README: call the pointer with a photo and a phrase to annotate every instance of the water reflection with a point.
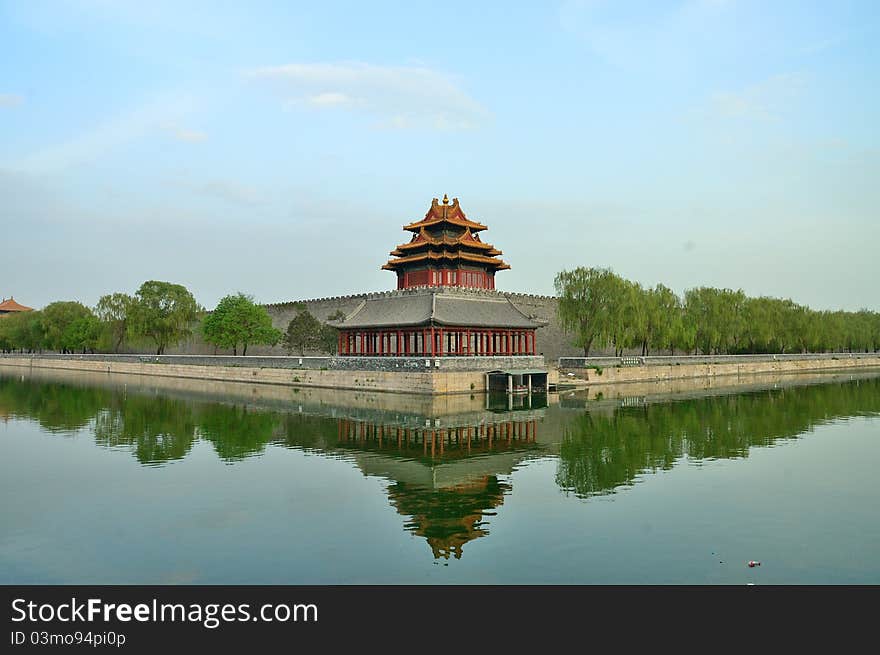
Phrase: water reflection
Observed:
(449, 518)
(448, 461)
(612, 443)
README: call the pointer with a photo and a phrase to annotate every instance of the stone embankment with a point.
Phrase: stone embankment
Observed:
(580, 371)
(395, 374)
(438, 375)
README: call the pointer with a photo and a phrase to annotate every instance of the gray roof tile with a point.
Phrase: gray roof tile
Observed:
(437, 307)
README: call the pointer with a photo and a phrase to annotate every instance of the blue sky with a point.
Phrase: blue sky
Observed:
(278, 148)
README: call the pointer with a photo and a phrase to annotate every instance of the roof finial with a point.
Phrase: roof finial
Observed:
(445, 199)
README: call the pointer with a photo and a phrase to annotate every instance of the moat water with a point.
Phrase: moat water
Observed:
(125, 479)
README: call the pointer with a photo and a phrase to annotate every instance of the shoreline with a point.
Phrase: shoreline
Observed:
(449, 376)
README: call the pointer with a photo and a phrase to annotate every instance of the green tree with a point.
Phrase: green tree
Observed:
(164, 313)
(237, 321)
(303, 332)
(114, 312)
(25, 331)
(664, 316)
(330, 334)
(69, 326)
(585, 303)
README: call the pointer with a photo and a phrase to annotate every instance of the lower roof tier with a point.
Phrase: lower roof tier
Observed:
(436, 306)
(446, 256)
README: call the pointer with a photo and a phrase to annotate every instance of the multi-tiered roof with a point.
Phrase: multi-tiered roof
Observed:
(445, 250)
(445, 302)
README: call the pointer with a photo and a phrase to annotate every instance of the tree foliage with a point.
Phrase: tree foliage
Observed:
(303, 332)
(114, 311)
(163, 313)
(69, 326)
(22, 331)
(600, 309)
(586, 297)
(237, 321)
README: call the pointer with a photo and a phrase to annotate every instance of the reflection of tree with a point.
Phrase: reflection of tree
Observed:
(56, 407)
(236, 431)
(600, 452)
(448, 518)
(157, 427)
(308, 432)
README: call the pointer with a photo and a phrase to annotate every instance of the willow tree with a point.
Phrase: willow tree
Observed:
(163, 312)
(663, 316)
(113, 311)
(69, 326)
(586, 301)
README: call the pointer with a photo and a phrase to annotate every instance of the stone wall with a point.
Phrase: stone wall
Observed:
(729, 365)
(418, 382)
(387, 364)
(550, 340)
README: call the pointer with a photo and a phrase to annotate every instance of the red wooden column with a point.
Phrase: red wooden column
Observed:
(433, 343)
(468, 343)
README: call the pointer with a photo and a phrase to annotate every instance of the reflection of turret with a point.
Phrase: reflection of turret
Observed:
(438, 441)
(451, 517)
(445, 480)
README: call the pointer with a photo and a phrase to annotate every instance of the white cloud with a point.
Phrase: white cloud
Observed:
(187, 135)
(398, 97)
(91, 144)
(329, 99)
(766, 100)
(10, 100)
(227, 190)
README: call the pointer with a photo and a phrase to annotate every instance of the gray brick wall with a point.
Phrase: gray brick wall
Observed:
(550, 339)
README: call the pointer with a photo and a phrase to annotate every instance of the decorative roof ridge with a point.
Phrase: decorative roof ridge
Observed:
(466, 238)
(411, 291)
(531, 295)
(438, 213)
(531, 318)
(354, 313)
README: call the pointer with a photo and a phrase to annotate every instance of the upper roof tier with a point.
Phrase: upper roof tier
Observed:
(445, 213)
(424, 240)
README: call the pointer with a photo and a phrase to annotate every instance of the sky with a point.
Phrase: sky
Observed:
(277, 148)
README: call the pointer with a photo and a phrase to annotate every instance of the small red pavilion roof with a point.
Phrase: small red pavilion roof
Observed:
(12, 306)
